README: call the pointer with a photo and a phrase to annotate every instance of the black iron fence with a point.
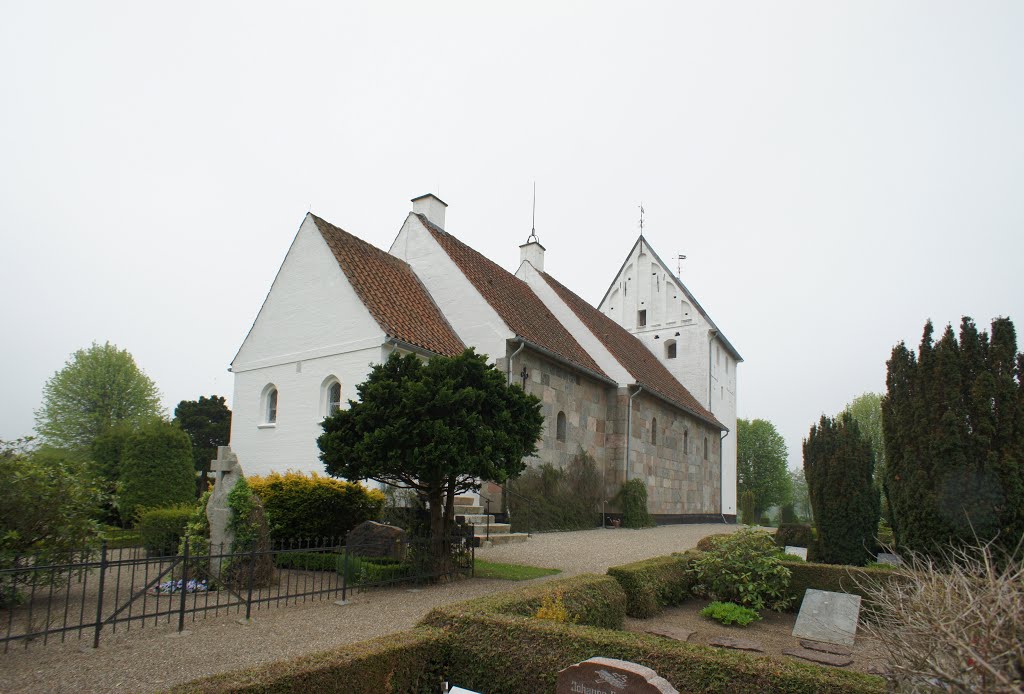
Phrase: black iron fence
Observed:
(85, 593)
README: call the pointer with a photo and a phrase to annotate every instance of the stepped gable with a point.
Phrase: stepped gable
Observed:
(632, 354)
(513, 300)
(392, 293)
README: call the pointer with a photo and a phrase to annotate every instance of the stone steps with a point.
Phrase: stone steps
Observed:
(484, 527)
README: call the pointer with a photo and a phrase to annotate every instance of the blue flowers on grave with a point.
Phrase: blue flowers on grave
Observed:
(192, 586)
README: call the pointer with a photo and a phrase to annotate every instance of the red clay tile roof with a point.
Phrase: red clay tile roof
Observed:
(631, 353)
(392, 293)
(513, 300)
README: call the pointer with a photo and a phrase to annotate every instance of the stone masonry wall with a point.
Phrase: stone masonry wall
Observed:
(678, 481)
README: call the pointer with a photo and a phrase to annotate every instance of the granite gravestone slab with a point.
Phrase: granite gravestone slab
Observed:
(797, 552)
(829, 617)
(891, 559)
(610, 676)
(372, 539)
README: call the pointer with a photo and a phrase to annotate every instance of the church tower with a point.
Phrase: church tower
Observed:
(650, 301)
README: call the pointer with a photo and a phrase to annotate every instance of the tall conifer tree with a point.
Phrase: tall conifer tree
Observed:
(953, 420)
(839, 465)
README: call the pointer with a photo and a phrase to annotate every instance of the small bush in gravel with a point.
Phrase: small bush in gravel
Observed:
(730, 613)
(706, 544)
(744, 568)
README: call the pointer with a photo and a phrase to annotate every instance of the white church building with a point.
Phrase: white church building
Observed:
(645, 383)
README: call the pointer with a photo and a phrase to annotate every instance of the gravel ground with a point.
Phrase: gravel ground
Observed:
(157, 657)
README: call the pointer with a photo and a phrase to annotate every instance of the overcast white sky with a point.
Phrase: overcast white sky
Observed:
(836, 172)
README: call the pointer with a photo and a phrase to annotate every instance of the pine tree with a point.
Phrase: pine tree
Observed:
(839, 466)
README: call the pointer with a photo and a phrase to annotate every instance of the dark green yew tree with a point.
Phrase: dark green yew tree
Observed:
(839, 466)
(439, 427)
(953, 421)
(207, 421)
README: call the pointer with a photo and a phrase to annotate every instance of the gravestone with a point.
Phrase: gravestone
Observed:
(797, 552)
(829, 617)
(610, 676)
(890, 559)
(228, 471)
(372, 539)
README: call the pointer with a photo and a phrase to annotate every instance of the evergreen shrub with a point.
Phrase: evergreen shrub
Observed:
(839, 466)
(161, 529)
(300, 506)
(632, 498)
(504, 653)
(744, 568)
(706, 543)
(954, 439)
(856, 580)
(404, 663)
(589, 599)
(787, 514)
(652, 585)
(795, 535)
(156, 469)
(550, 498)
(747, 508)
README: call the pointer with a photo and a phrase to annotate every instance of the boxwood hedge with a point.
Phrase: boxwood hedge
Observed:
(652, 585)
(406, 662)
(589, 599)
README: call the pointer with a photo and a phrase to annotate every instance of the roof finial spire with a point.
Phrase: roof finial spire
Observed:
(641, 219)
(533, 238)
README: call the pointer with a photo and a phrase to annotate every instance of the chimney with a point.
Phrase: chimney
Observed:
(533, 252)
(431, 207)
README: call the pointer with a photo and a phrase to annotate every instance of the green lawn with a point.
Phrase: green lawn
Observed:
(510, 572)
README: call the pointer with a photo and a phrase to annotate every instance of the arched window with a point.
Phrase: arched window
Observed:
(560, 427)
(686, 442)
(330, 396)
(705, 448)
(270, 404)
(670, 349)
(654, 431)
(333, 398)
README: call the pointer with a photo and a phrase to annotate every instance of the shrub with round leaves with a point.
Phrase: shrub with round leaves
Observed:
(744, 568)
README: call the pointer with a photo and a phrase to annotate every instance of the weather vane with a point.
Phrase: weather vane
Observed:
(641, 219)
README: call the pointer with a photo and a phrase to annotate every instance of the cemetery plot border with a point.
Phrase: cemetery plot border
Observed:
(107, 589)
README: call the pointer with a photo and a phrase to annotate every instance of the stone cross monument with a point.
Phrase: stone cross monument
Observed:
(228, 471)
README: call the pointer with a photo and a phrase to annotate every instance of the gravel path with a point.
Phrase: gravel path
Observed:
(154, 658)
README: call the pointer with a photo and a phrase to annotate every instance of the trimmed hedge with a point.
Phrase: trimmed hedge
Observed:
(590, 599)
(795, 535)
(652, 585)
(406, 662)
(161, 529)
(156, 469)
(311, 506)
(708, 541)
(833, 577)
(498, 653)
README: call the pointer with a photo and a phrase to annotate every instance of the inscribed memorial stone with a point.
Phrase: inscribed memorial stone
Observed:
(829, 617)
(610, 676)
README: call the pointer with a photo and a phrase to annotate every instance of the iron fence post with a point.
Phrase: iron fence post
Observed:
(99, 597)
(488, 516)
(184, 588)
(344, 576)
